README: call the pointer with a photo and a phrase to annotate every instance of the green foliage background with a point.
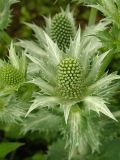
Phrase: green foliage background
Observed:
(36, 145)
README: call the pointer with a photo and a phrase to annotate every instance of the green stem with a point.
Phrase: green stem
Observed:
(92, 17)
(75, 108)
(105, 64)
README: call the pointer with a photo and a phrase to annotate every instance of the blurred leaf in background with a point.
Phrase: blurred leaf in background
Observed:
(86, 1)
(7, 147)
(110, 151)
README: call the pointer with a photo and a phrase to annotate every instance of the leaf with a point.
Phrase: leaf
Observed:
(110, 39)
(42, 66)
(53, 50)
(23, 63)
(42, 101)
(13, 110)
(97, 62)
(43, 85)
(90, 45)
(32, 48)
(110, 9)
(97, 104)
(5, 13)
(82, 131)
(38, 156)
(57, 151)
(66, 109)
(43, 120)
(39, 34)
(103, 83)
(13, 57)
(109, 151)
(7, 147)
(85, 1)
(75, 45)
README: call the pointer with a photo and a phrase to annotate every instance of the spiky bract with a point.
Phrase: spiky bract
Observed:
(110, 9)
(83, 131)
(5, 13)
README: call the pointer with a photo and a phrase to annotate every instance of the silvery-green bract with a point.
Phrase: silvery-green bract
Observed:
(72, 81)
(5, 13)
(110, 9)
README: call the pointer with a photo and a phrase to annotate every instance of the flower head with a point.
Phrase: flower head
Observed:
(61, 28)
(69, 78)
(10, 75)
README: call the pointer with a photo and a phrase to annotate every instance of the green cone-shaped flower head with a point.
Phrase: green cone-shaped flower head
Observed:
(61, 30)
(69, 77)
(10, 75)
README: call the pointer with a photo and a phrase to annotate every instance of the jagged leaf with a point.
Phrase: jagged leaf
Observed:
(98, 105)
(53, 50)
(5, 13)
(98, 61)
(13, 57)
(11, 110)
(32, 48)
(103, 83)
(109, 151)
(57, 151)
(44, 120)
(42, 101)
(110, 9)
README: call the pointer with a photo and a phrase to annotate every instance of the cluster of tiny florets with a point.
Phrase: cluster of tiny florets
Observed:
(61, 31)
(10, 75)
(69, 78)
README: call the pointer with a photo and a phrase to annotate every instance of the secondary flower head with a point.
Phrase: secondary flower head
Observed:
(71, 80)
(61, 28)
(10, 75)
(11, 72)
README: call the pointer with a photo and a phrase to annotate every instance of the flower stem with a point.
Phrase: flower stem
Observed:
(92, 17)
(105, 64)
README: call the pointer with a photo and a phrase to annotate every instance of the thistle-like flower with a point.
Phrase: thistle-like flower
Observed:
(12, 75)
(72, 81)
